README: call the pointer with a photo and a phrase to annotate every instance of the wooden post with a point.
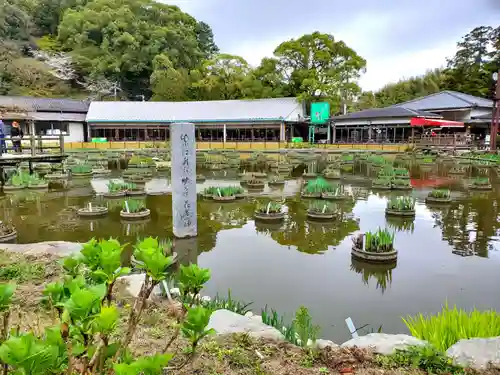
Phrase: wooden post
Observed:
(32, 145)
(61, 143)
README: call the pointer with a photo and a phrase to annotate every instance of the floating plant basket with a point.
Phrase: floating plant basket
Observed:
(41, 186)
(271, 216)
(315, 195)
(92, 211)
(438, 200)
(256, 185)
(200, 178)
(136, 193)
(277, 183)
(13, 187)
(333, 196)
(135, 215)
(8, 236)
(315, 215)
(220, 198)
(358, 252)
(117, 194)
(401, 213)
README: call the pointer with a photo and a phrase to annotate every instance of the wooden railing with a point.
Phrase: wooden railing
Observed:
(37, 144)
(445, 141)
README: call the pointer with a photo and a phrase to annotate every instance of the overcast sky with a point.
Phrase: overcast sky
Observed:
(398, 38)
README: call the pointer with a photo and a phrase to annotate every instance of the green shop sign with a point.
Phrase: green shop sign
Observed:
(320, 113)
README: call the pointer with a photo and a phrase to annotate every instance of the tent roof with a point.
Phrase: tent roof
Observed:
(277, 109)
(388, 112)
(446, 100)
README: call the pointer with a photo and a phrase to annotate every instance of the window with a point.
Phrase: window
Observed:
(51, 128)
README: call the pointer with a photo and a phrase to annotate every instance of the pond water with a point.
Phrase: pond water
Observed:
(445, 254)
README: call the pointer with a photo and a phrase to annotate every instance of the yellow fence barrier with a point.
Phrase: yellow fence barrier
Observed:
(239, 146)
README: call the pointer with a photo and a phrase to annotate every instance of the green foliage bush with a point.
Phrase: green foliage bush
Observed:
(86, 339)
(381, 241)
(447, 327)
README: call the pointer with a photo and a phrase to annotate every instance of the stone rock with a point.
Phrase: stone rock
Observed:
(227, 322)
(322, 344)
(134, 284)
(383, 343)
(257, 318)
(249, 314)
(59, 248)
(477, 353)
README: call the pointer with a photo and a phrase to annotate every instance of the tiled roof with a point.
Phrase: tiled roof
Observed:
(278, 109)
(44, 104)
(446, 100)
(388, 112)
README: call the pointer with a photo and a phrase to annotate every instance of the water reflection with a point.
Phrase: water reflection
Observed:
(381, 273)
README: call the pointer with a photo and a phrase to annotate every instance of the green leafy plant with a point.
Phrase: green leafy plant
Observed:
(321, 207)
(381, 241)
(401, 172)
(269, 207)
(386, 172)
(20, 178)
(81, 169)
(424, 357)
(401, 182)
(319, 185)
(382, 182)
(450, 325)
(211, 190)
(440, 193)
(401, 204)
(134, 205)
(116, 187)
(304, 328)
(481, 182)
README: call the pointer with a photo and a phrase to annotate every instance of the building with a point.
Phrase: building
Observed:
(446, 109)
(46, 117)
(259, 120)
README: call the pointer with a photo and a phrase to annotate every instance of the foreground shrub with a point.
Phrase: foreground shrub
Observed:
(85, 339)
(451, 325)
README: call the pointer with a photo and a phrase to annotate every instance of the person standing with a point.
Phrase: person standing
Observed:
(16, 134)
(3, 145)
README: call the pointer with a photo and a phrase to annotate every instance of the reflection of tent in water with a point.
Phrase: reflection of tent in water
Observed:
(381, 272)
(430, 182)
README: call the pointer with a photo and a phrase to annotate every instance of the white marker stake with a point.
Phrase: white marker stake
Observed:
(90, 206)
(324, 209)
(352, 328)
(126, 206)
(268, 207)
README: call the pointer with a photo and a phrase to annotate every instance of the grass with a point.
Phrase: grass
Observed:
(382, 182)
(226, 303)
(381, 241)
(401, 182)
(401, 172)
(116, 187)
(386, 172)
(211, 190)
(481, 181)
(133, 205)
(269, 207)
(319, 185)
(19, 178)
(401, 204)
(440, 193)
(82, 168)
(228, 191)
(321, 207)
(447, 327)
(426, 358)
(19, 270)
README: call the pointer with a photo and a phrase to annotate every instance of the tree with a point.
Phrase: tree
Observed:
(267, 81)
(222, 78)
(166, 82)
(205, 38)
(15, 23)
(317, 67)
(477, 57)
(119, 39)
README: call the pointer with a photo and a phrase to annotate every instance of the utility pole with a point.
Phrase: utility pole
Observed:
(495, 118)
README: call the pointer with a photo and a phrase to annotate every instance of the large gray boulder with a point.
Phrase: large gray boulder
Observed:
(476, 353)
(383, 343)
(227, 322)
(58, 248)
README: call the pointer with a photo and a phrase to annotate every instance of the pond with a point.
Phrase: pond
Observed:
(446, 253)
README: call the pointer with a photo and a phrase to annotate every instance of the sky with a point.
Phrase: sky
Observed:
(398, 38)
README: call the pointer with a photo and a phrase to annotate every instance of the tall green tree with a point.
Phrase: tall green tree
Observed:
(119, 39)
(15, 23)
(205, 38)
(318, 67)
(167, 83)
(477, 57)
(222, 78)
